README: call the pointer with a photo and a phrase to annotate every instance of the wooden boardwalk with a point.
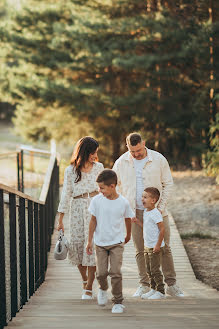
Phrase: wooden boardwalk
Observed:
(57, 303)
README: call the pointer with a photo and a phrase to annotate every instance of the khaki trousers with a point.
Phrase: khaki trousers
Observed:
(167, 259)
(153, 263)
(110, 255)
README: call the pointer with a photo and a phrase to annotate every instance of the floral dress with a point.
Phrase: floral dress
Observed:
(77, 210)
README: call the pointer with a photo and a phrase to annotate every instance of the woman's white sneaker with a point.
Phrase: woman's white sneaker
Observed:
(157, 295)
(174, 291)
(85, 296)
(148, 294)
(102, 297)
(141, 290)
(118, 308)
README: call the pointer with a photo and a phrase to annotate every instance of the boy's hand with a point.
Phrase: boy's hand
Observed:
(89, 249)
(156, 249)
(127, 238)
(135, 220)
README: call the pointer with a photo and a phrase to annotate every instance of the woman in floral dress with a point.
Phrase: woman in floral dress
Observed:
(78, 189)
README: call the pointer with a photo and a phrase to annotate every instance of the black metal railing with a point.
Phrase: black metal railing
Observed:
(26, 226)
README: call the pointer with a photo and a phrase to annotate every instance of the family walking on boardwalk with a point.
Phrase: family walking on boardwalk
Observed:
(101, 203)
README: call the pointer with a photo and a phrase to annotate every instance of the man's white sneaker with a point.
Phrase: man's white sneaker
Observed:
(157, 295)
(174, 291)
(102, 297)
(118, 308)
(148, 294)
(141, 290)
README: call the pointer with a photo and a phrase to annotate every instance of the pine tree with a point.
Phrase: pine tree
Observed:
(118, 66)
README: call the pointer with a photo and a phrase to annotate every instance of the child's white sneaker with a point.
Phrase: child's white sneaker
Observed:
(102, 297)
(118, 308)
(157, 295)
(175, 291)
(148, 294)
(141, 290)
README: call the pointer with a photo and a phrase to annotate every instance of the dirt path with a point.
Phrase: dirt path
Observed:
(195, 208)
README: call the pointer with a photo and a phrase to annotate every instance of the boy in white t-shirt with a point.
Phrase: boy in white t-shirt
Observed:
(153, 231)
(110, 211)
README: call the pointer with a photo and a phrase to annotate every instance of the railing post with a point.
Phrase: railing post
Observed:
(18, 172)
(22, 247)
(22, 171)
(2, 265)
(30, 248)
(36, 235)
(46, 233)
(42, 242)
(13, 253)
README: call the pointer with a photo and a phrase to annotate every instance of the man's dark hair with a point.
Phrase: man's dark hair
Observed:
(107, 176)
(154, 192)
(133, 139)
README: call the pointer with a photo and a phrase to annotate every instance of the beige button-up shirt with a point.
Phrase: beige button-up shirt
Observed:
(155, 173)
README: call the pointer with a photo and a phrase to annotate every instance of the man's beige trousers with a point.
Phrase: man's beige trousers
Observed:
(167, 259)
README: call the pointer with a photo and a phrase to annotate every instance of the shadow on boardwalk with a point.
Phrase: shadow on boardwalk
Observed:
(57, 303)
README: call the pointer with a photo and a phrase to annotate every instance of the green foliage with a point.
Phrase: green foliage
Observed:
(198, 235)
(110, 67)
(212, 157)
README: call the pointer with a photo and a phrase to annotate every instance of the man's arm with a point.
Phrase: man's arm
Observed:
(167, 183)
(160, 238)
(128, 229)
(116, 169)
(92, 227)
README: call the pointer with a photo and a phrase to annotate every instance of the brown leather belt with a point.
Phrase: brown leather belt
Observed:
(86, 195)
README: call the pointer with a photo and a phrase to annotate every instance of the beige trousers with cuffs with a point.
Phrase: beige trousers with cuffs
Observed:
(153, 263)
(167, 259)
(110, 255)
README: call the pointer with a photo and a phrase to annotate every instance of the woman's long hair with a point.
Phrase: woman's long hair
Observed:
(84, 147)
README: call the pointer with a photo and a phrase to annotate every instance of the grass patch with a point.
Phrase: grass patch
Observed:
(198, 235)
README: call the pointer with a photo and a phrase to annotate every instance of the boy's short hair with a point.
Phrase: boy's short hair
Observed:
(133, 139)
(154, 192)
(107, 176)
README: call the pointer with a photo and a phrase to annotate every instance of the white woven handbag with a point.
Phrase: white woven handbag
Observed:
(61, 247)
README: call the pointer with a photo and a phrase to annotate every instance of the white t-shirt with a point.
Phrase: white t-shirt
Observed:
(110, 216)
(150, 227)
(139, 165)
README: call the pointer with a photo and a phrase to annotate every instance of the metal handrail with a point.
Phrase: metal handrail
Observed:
(31, 223)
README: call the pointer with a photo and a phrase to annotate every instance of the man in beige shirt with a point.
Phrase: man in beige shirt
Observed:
(138, 169)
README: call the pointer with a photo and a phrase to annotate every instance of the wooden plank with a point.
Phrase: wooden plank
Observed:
(57, 302)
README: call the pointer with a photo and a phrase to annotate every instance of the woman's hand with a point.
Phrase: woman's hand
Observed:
(89, 248)
(60, 226)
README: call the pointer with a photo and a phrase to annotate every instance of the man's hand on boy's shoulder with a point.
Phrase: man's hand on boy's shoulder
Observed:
(89, 248)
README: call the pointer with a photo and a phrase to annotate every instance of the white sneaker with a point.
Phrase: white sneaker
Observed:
(118, 308)
(141, 290)
(174, 291)
(102, 297)
(157, 295)
(148, 294)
